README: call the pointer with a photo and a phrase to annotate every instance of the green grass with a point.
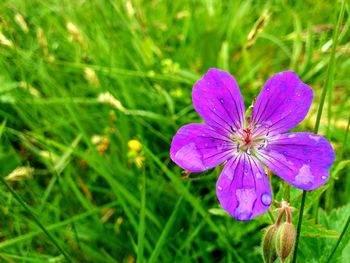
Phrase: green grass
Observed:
(92, 201)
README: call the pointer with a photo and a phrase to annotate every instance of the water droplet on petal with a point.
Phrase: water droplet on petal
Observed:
(309, 161)
(245, 198)
(324, 177)
(220, 188)
(285, 152)
(268, 89)
(298, 94)
(214, 109)
(266, 199)
(248, 151)
(245, 170)
(304, 178)
(222, 101)
(244, 215)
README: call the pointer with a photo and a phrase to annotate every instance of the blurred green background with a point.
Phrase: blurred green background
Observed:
(91, 93)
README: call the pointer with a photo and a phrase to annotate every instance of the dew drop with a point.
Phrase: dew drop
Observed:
(219, 188)
(285, 152)
(289, 100)
(245, 170)
(268, 89)
(266, 199)
(222, 101)
(248, 151)
(298, 94)
(324, 177)
(244, 215)
(214, 109)
(309, 161)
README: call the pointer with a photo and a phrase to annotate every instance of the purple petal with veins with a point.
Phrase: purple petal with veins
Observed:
(198, 147)
(302, 159)
(217, 99)
(282, 104)
(243, 188)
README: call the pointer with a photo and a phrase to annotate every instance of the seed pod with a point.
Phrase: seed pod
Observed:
(285, 240)
(268, 244)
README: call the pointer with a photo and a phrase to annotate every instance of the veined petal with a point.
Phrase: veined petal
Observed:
(243, 188)
(302, 159)
(282, 104)
(217, 99)
(197, 147)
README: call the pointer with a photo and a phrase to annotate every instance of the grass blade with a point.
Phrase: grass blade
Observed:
(196, 205)
(165, 233)
(36, 219)
(141, 232)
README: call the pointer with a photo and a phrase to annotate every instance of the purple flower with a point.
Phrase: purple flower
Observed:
(302, 159)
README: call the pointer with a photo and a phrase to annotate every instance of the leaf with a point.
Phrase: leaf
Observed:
(217, 212)
(336, 220)
(340, 166)
(311, 197)
(311, 229)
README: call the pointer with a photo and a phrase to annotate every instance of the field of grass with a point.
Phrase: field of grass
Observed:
(81, 79)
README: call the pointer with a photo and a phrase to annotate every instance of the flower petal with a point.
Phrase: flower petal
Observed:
(302, 159)
(282, 104)
(197, 147)
(243, 188)
(217, 99)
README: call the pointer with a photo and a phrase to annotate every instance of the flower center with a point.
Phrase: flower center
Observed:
(251, 138)
(247, 135)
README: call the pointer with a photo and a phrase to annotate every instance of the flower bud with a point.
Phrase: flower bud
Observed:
(285, 240)
(268, 244)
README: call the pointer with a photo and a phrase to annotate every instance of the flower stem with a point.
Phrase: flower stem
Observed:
(36, 219)
(303, 198)
(339, 239)
(329, 81)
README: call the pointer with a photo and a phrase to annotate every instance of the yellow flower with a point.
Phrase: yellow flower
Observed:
(134, 145)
